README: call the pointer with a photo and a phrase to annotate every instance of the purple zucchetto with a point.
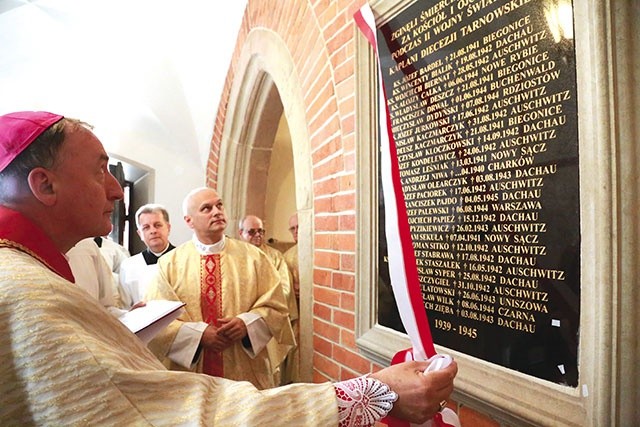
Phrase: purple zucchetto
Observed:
(19, 130)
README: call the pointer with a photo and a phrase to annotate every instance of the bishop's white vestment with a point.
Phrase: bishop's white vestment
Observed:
(64, 360)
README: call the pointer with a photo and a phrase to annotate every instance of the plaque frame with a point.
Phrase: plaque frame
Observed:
(607, 52)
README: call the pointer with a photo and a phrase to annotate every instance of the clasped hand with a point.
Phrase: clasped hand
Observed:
(222, 336)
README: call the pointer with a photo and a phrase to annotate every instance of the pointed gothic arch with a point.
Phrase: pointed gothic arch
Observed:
(265, 75)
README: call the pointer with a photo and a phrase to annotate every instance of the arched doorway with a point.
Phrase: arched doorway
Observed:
(265, 120)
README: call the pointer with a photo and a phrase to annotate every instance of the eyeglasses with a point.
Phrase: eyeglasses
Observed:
(253, 231)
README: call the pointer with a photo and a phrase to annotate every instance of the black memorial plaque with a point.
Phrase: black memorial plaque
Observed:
(482, 99)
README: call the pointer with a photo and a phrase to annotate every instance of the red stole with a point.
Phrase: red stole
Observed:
(211, 307)
(17, 231)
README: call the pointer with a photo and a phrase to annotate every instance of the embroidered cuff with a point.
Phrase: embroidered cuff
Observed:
(362, 401)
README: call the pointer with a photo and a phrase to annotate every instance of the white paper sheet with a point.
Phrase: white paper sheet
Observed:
(150, 319)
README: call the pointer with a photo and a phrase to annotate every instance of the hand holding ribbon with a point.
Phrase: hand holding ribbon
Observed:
(403, 270)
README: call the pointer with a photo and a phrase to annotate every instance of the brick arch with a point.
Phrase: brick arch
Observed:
(245, 154)
(251, 98)
(306, 53)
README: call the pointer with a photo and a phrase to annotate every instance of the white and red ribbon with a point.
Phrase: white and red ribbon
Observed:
(403, 269)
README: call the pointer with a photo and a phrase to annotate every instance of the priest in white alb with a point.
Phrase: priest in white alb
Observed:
(153, 228)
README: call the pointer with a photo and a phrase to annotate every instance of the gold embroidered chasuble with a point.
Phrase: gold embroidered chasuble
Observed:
(278, 352)
(64, 360)
(291, 258)
(277, 258)
(248, 284)
(292, 366)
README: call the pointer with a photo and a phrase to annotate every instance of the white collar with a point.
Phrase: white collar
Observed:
(205, 249)
(161, 252)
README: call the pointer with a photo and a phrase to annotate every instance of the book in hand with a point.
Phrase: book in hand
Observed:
(148, 320)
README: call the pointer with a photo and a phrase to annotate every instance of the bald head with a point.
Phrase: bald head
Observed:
(293, 226)
(204, 213)
(188, 201)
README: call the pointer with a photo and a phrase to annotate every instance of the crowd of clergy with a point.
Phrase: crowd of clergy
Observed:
(214, 265)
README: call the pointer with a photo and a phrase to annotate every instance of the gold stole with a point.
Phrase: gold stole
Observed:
(211, 306)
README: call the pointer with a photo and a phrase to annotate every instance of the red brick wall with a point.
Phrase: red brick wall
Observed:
(320, 37)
